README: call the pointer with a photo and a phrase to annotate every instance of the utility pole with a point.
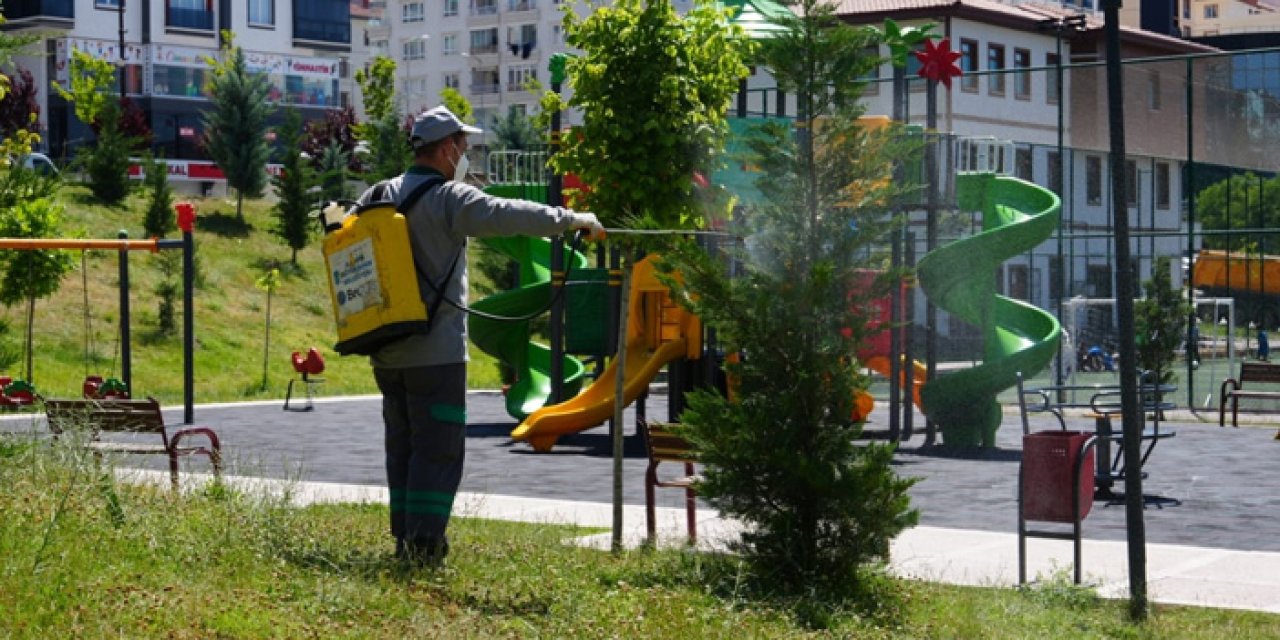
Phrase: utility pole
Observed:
(1129, 409)
(122, 56)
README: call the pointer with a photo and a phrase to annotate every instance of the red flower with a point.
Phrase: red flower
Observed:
(938, 62)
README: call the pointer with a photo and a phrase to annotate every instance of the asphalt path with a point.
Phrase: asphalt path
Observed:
(1209, 486)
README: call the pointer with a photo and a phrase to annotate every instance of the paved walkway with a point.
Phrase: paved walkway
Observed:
(1218, 545)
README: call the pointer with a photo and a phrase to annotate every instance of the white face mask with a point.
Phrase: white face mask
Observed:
(460, 168)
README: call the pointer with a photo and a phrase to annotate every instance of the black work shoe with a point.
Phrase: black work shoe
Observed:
(426, 552)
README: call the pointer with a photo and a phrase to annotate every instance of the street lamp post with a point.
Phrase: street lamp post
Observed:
(408, 68)
(1060, 25)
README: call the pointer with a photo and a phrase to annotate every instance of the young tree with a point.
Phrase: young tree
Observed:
(383, 135)
(158, 221)
(293, 224)
(515, 131)
(1160, 323)
(782, 453)
(337, 128)
(236, 127)
(106, 162)
(653, 88)
(333, 173)
(29, 275)
(269, 282)
(454, 101)
(20, 107)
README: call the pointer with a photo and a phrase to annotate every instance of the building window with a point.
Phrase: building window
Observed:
(1163, 189)
(262, 13)
(1153, 91)
(450, 44)
(522, 39)
(451, 81)
(1055, 277)
(1019, 282)
(1022, 164)
(411, 12)
(1021, 77)
(995, 64)
(969, 65)
(189, 14)
(1210, 11)
(322, 21)
(521, 5)
(484, 7)
(557, 37)
(484, 81)
(1051, 91)
(1131, 183)
(106, 4)
(414, 49)
(450, 8)
(519, 75)
(1093, 180)
(872, 76)
(484, 41)
(1098, 281)
(1055, 173)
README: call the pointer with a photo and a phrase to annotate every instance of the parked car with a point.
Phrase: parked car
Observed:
(40, 163)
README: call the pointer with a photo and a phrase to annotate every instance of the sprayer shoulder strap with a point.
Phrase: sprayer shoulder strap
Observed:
(402, 208)
(421, 190)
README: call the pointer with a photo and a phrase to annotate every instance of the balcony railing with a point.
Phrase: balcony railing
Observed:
(485, 88)
(18, 9)
(484, 8)
(322, 30)
(484, 50)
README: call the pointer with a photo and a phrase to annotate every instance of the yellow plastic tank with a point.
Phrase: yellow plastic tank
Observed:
(372, 281)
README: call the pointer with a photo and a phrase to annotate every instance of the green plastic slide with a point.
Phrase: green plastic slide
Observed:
(1017, 217)
(510, 341)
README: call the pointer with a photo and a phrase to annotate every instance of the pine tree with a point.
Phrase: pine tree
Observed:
(1160, 323)
(236, 127)
(159, 220)
(782, 454)
(293, 224)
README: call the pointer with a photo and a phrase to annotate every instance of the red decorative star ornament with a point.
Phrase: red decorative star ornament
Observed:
(938, 62)
(186, 216)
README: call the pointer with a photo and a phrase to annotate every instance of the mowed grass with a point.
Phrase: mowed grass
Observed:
(74, 338)
(82, 556)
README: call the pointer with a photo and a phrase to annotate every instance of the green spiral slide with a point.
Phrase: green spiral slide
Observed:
(509, 341)
(1017, 216)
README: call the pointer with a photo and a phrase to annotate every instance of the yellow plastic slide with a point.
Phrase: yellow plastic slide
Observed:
(595, 405)
(658, 331)
(919, 374)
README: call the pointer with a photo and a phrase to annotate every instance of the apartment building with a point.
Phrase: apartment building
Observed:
(163, 49)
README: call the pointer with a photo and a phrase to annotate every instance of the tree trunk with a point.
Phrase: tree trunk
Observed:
(239, 205)
(266, 346)
(31, 323)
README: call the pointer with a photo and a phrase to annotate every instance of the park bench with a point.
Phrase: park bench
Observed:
(1233, 389)
(664, 445)
(130, 416)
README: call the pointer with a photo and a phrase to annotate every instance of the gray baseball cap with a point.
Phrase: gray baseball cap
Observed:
(436, 124)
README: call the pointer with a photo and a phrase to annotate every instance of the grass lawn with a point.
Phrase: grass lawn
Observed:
(84, 557)
(76, 329)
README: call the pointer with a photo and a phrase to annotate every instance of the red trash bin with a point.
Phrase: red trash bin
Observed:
(1049, 461)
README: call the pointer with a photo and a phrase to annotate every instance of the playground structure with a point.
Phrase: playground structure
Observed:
(1019, 337)
(1017, 216)
(123, 245)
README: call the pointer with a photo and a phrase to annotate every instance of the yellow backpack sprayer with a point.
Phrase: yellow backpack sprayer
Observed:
(369, 260)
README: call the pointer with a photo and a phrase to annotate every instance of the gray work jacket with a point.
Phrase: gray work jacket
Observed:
(439, 225)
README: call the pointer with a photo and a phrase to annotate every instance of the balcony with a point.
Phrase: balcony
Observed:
(322, 24)
(20, 13)
(485, 88)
